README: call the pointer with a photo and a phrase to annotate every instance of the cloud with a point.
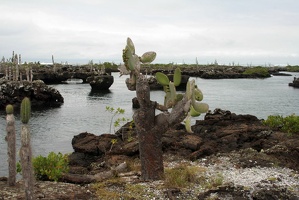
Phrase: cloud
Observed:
(178, 30)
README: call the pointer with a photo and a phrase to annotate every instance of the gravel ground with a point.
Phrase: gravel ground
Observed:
(234, 182)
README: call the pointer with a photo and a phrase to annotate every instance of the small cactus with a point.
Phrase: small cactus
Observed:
(11, 145)
(25, 110)
(9, 109)
(25, 151)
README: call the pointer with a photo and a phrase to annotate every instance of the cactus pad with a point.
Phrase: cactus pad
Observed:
(148, 57)
(188, 124)
(177, 77)
(193, 112)
(200, 107)
(198, 94)
(131, 46)
(162, 79)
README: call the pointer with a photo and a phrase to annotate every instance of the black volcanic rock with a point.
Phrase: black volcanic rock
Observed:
(13, 92)
(295, 83)
(100, 82)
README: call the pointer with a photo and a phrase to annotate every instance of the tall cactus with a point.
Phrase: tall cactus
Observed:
(11, 145)
(25, 151)
(150, 126)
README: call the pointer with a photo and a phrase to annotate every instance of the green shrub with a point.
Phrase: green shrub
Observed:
(261, 71)
(51, 167)
(274, 121)
(289, 124)
(294, 68)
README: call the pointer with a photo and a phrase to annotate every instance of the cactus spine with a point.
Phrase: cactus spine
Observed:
(25, 151)
(11, 145)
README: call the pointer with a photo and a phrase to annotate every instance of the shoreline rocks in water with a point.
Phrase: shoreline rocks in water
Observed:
(295, 83)
(220, 132)
(237, 146)
(13, 92)
(100, 82)
(249, 160)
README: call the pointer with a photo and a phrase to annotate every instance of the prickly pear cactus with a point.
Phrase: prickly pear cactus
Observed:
(150, 126)
(171, 97)
(132, 62)
(193, 93)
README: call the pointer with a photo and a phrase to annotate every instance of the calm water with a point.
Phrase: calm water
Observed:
(53, 129)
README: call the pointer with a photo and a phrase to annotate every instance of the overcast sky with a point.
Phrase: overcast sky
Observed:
(240, 31)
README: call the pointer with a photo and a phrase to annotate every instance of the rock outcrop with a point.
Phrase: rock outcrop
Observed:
(295, 83)
(13, 92)
(220, 132)
(100, 82)
(236, 146)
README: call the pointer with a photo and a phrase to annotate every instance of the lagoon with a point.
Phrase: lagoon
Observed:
(85, 111)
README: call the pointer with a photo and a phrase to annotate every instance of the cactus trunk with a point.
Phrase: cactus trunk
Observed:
(25, 151)
(26, 162)
(11, 149)
(150, 127)
(150, 144)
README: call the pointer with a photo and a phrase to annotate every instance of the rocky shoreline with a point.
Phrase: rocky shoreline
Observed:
(220, 132)
(248, 159)
(41, 95)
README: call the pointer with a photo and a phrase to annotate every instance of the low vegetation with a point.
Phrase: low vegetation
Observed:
(294, 68)
(51, 167)
(119, 121)
(261, 71)
(184, 177)
(288, 124)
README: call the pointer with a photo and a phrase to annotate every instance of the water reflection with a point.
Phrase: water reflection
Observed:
(102, 93)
